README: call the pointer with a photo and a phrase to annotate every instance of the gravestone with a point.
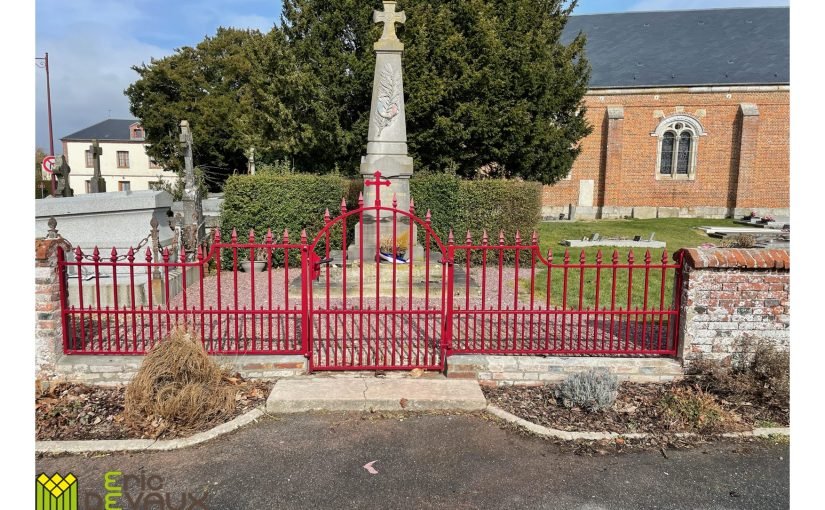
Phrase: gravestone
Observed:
(61, 172)
(98, 183)
(386, 140)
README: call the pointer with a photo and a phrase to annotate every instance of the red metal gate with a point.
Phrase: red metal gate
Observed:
(384, 306)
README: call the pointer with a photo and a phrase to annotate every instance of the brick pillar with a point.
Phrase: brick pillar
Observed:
(733, 300)
(613, 163)
(747, 176)
(48, 332)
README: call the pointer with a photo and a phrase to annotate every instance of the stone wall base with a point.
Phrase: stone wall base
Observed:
(115, 370)
(536, 370)
(551, 212)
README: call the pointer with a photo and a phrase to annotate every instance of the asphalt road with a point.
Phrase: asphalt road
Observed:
(456, 462)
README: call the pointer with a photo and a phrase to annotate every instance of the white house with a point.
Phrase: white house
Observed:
(124, 163)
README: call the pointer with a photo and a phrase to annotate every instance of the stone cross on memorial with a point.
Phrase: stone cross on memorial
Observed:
(97, 184)
(387, 137)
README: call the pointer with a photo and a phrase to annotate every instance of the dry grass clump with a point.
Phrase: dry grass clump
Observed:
(178, 388)
(693, 410)
(740, 241)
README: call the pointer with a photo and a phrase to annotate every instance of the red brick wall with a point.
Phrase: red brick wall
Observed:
(717, 160)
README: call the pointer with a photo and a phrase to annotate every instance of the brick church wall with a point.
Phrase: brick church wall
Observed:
(624, 175)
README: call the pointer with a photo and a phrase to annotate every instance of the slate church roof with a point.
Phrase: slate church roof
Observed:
(686, 48)
(108, 130)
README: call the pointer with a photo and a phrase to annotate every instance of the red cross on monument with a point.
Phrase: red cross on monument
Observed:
(377, 183)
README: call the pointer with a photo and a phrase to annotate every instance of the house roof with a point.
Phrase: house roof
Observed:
(686, 48)
(108, 130)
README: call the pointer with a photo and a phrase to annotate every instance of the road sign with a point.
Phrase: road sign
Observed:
(48, 164)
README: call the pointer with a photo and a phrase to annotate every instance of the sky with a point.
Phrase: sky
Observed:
(93, 44)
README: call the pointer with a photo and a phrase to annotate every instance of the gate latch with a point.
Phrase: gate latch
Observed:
(316, 264)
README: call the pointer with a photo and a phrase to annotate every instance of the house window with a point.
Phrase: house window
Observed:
(123, 159)
(124, 186)
(90, 161)
(678, 136)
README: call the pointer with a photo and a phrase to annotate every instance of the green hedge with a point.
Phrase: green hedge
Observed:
(281, 201)
(492, 204)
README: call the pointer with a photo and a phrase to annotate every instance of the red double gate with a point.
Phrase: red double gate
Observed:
(403, 300)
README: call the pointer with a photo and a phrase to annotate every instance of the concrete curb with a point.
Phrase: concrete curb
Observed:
(124, 445)
(540, 430)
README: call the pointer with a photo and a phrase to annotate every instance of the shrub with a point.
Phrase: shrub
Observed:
(281, 201)
(492, 204)
(593, 390)
(763, 382)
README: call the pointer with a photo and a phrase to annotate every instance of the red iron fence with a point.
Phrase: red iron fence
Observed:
(403, 300)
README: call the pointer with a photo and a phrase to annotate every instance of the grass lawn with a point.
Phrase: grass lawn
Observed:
(676, 232)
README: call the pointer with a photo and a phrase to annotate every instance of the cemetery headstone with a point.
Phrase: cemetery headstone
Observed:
(61, 172)
(98, 183)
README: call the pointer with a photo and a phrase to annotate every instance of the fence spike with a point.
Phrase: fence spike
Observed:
(615, 257)
(582, 257)
(326, 215)
(518, 237)
(148, 254)
(343, 205)
(114, 255)
(183, 256)
(550, 255)
(428, 217)
(251, 235)
(303, 236)
(394, 201)
(286, 236)
(130, 255)
(360, 199)
(599, 256)
(566, 255)
(500, 237)
(647, 257)
(217, 234)
(484, 238)
(664, 256)
(96, 255)
(469, 239)
(412, 205)
(166, 255)
(268, 238)
(450, 238)
(535, 238)
(630, 257)
(234, 236)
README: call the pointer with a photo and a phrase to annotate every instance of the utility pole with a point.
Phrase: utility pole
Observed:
(49, 105)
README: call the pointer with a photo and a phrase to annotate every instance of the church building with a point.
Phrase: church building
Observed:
(690, 113)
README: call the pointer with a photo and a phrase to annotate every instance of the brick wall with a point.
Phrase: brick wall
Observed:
(48, 332)
(714, 189)
(732, 300)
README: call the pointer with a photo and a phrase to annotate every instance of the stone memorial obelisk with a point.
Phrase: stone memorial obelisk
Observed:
(387, 138)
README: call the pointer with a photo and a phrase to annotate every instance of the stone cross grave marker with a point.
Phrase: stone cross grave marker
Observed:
(193, 226)
(97, 184)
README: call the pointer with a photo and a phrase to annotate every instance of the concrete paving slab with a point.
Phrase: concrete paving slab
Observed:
(360, 394)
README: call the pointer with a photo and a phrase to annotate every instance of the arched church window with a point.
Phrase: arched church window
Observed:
(678, 136)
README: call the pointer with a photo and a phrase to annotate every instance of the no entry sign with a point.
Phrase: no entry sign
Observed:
(48, 164)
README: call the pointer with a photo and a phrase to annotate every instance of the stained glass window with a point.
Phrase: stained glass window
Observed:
(666, 165)
(683, 158)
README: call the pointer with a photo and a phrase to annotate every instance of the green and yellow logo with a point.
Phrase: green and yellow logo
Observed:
(56, 493)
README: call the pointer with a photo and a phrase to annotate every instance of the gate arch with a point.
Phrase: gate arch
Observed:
(383, 306)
